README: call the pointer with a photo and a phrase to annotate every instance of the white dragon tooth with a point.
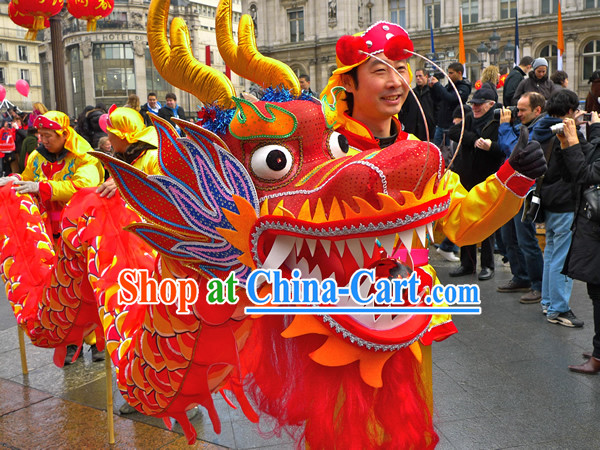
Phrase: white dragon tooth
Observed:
(340, 246)
(384, 321)
(364, 288)
(421, 234)
(406, 237)
(299, 242)
(368, 245)
(316, 274)
(356, 250)
(281, 249)
(344, 301)
(388, 243)
(430, 231)
(303, 266)
(326, 246)
(312, 244)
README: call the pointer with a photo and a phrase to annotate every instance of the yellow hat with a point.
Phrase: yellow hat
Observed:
(127, 124)
(59, 122)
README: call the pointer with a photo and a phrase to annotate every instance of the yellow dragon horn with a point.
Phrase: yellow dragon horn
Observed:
(244, 59)
(176, 63)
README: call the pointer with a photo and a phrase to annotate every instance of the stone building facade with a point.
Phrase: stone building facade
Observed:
(19, 59)
(107, 65)
(303, 33)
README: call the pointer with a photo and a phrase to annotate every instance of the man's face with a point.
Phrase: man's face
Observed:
(479, 109)
(380, 93)
(171, 103)
(525, 114)
(304, 84)
(454, 75)
(152, 101)
(540, 71)
(420, 78)
(53, 141)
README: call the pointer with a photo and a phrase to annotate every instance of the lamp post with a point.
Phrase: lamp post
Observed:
(493, 50)
(482, 51)
(509, 52)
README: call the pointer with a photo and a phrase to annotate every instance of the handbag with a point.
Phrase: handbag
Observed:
(591, 203)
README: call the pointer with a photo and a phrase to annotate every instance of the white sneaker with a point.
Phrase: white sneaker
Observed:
(448, 256)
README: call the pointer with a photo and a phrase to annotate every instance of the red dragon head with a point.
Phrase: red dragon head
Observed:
(272, 185)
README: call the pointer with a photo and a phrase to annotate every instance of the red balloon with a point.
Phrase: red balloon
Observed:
(2, 93)
(22, 87)
(102, 121)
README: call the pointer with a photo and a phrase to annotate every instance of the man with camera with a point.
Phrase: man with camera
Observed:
(448, 100)
(522, 247)
(479, 157)
(558, 205)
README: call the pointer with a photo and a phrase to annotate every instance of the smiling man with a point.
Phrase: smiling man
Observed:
(375, 93)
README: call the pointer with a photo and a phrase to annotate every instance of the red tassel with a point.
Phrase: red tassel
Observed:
(396, 48)
(348, 50)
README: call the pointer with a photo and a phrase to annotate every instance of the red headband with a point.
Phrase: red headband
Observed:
(44, 122)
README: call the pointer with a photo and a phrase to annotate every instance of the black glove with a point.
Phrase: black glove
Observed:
(528, 158)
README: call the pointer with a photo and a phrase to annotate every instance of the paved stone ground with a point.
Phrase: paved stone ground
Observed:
(502, 382)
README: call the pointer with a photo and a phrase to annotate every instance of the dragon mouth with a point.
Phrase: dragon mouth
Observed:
(337, 248)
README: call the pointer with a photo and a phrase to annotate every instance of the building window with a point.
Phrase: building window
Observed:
(22, 50)
(75, 61)
(549, 6)
(154, 82)
(114, 74)
(2, 77)
(472, 66)
(550, 52)
(433, 13)
(398, 12)
(296, 19)
(589, 4)
(24, 75)
(591, 58)
(508, 9)
(470, 11)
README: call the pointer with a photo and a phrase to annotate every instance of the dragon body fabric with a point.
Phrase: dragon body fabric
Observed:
(272, 187)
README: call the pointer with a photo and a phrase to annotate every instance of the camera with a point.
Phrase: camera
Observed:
(586, 117)
(438, 75)
(531, 208)
(557, 128)
(513, 113)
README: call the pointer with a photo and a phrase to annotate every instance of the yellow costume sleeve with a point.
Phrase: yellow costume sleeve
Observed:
(476, 214)
(28, 174)
(148, 163)
(82, 172)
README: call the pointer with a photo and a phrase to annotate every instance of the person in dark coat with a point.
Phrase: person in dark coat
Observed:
(537, 81)
(479, 157)
(592, 101)
(583, 259)
(170, 110)
(410, 115)
(516, 75)
(558, 205)
(448, 100)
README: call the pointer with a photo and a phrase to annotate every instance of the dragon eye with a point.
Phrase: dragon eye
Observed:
(338, 145)
(271, 162)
